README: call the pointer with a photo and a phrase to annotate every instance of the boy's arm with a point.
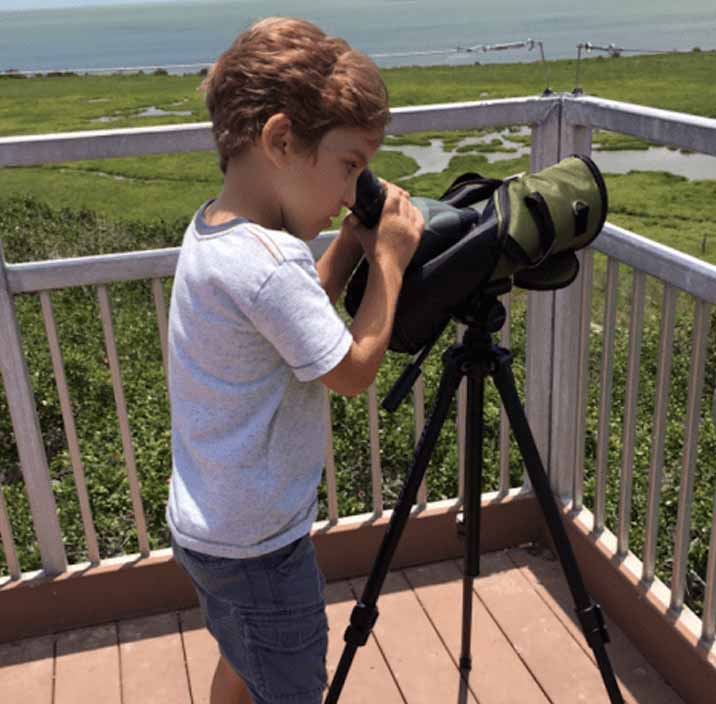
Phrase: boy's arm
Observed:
(389, 249)
(371, 330)
(337, 263)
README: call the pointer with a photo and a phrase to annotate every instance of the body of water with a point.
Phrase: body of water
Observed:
(394, 32)
(435, 157)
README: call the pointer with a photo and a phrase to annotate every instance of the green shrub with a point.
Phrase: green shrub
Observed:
(33, 231)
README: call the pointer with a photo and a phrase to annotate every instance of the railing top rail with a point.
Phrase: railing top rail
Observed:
(29, 150)
(678, 129)
(472, 115)
(97, 270)
(683, 271)
(60, 147)
(31, 277)
(680, 270)
(652, 124)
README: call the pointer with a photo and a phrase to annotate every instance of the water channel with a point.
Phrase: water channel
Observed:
(434, 158)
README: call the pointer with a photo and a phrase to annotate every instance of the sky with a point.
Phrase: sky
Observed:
(37, 4)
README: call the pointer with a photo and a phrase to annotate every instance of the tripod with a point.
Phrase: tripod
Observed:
(476, 358)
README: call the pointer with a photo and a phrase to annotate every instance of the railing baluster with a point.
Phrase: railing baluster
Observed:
(574, 138)
(656, 466)
(709, 621)
(162, 324)
(585, 322)
(539, 357)
(70, 429)
(8, 542)
(28, 434)
(539, 333)
(505, 339)
(691, 440)
(566, 321)
(605, 402)
(419, 412)
(330, 463)
(106, 314)
(375, 471)
(636, 325)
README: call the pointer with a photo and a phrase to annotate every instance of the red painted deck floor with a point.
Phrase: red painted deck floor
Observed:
(526, 647)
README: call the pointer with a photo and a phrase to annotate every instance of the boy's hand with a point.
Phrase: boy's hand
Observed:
(396, 237)
(389, 247)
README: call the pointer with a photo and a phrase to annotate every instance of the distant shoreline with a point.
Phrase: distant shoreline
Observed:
(172, 69)
(198, 69)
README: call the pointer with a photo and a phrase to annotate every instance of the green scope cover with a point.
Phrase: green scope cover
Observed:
(543, 218)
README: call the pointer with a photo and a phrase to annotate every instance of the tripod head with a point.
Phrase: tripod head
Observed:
(484, 311)
(484, 314)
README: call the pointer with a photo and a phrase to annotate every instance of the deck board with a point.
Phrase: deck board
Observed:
(153, 663)
(27, 670)
(84, 659)
(369, 680)
(526, 646)
(201, 652)
(417, 657)
(439, 587)
(638, 680)
(564, 670)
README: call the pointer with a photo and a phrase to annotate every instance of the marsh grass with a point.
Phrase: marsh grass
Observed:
(132, 204)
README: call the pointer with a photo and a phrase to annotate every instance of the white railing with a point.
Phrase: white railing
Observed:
(558, 323)
(676, 272)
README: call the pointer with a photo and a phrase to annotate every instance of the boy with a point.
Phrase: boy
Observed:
(254, 339)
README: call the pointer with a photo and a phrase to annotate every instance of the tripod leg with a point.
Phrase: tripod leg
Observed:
(365, 613)
(472, 503)
(590, 615)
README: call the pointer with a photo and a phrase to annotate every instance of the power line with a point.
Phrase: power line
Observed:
(415, 53)
(588, 46)
(528, 44)
(613, 50)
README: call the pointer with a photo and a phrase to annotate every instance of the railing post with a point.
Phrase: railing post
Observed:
(540, 308)
(567, 367)
(26, 426)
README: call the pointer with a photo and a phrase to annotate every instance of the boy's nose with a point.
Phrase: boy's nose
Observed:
(349, 195)
(349, 198)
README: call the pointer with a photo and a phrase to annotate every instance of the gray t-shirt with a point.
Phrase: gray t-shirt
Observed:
(250, 331)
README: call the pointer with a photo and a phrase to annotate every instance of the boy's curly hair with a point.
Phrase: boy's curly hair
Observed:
(291, 66)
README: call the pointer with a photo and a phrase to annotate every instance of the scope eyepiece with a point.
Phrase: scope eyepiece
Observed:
(370, 198)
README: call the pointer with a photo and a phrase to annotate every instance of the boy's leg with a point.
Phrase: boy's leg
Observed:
(275, 632)
(227, 687)
(288, 639)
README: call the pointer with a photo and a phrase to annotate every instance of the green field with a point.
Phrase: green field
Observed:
(682, 82)
(130, 204)
(169, 188)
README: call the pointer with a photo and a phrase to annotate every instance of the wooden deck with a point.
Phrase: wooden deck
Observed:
(526, 647)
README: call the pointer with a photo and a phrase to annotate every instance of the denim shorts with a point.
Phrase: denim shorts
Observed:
(268, 616)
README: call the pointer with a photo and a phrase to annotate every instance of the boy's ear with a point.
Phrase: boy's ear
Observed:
(277, 139)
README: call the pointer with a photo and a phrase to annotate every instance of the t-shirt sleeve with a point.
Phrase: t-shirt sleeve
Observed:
(293, 312)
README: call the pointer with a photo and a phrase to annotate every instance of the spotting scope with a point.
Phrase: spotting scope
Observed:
(525, 228)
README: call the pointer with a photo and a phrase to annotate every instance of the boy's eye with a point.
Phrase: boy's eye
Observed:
(351, 165)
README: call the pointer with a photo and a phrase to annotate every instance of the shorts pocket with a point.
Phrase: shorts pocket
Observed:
(289, 654)
(207, 560)
(297, 583)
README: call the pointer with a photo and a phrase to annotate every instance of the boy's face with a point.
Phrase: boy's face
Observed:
(317, 186)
